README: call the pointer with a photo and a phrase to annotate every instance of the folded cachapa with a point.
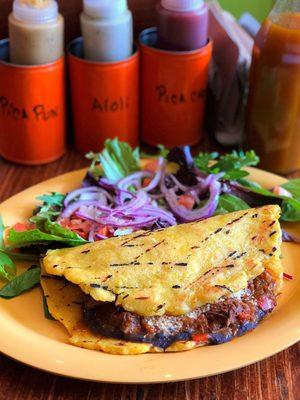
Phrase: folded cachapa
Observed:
(171, 289)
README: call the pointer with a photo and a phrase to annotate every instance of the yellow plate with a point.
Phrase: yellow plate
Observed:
(27, 336)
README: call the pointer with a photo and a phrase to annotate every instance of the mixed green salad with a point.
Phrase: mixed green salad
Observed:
(124, 191)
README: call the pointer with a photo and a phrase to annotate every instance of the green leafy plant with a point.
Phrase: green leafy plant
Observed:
(45, 232)
(162, 151)
(229, 203)
(230, 164)
(52, 204)
(21, 283)
(117, 160)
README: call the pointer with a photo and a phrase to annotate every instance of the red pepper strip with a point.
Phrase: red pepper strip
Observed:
(245, 316)
(200, 337)
(288, 276)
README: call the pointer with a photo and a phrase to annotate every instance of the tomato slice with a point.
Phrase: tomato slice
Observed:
(77, 225)
(151, 165)
(187, 201)
(105, 230)
(279, 191)
(146, 182)
(23, 226)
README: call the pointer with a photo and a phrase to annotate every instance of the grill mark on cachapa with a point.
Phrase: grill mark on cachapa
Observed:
(150, 249)
(125, 264)
(208, 272)
(221, 229)
(224, 287)
(136, 237)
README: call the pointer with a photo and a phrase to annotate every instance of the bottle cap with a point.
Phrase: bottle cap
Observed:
(35, 11)
(182, 5)
(104, 8)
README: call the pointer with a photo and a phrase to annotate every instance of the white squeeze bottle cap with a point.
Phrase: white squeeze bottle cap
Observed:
(182, 5)
(35, 11)
(104, 8)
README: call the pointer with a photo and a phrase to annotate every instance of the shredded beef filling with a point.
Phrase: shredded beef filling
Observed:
(212, 324)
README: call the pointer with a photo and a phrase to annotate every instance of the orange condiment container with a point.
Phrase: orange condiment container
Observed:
(32, 110)
(173, 93)
(273, 122)
(104, 99)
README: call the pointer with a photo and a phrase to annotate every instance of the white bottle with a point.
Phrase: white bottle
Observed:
(107, 31)
(36, 32)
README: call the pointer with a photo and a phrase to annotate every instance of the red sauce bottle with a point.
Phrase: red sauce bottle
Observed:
(273, 121)
(182, 24)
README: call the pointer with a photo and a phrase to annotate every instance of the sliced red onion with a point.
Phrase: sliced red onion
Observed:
(91, 235)
(188, 156)
(158, 213)
(139, 200)
(289, 237)
(122, 196)
(72, 208)
(179, 185)
(157, 177)
(91, 190)
(132, 179)
(122, 222)
(204, 212)
(106, 184)
(101, 237)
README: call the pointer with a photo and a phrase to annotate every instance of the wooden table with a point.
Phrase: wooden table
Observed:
(275, 378)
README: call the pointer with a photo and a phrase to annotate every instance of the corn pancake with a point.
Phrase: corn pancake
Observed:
(174, 270)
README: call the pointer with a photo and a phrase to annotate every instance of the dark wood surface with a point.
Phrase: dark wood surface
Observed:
(277, 378)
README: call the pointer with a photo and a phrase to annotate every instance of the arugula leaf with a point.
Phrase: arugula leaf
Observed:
(231, 164)
(95, 170)
(46, 309)
(53, 198)
(290, 210)
(237, 160)
(52, 205)
(235, 174)
(7, 267)
(21, 283)
(162, 151)
(293, 186)
(249, 184)
(229, 203)
(203, 162)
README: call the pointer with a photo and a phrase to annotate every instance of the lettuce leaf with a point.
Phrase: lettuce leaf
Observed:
(117, 160)
(46, 232)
